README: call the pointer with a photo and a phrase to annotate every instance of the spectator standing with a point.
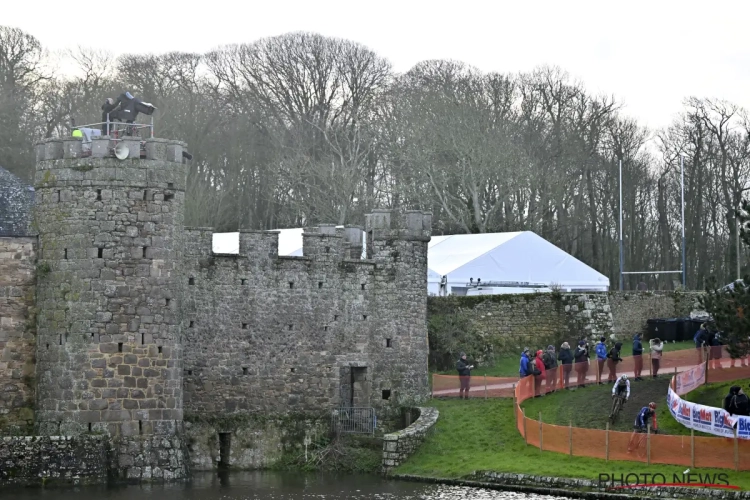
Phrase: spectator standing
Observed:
(538, 378)
(601, 357)
(701, 340)
(566, 358)
(656, 347)
(736, 402)
(464, 376)
(524, 370)
(581, 358)
(716, 349)
(613, 357)
(550, 367)
(637, 356)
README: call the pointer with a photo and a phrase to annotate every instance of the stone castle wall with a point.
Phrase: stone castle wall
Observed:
(110, 244)
(17, 331)
(630, 310)
(265, 333)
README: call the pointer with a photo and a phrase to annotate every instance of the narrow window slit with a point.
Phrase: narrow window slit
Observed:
(168, 197)
(244, 326)
(143, 338)
(291, 327)
(140, 427)
(89, 426)
(388, 343)
(291, 284)
(191, 281)
(192, 324)
(244, 370)
(320, 284)
(168, 301)
(243, 281)
(386, 394)
(98, 198)
(100, 253)
(144, 252)
(160, 349)
(363, 286)
(66, 254)
(364, 317)
(119, 347)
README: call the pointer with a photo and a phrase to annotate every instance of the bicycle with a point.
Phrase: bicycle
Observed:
(617, 403)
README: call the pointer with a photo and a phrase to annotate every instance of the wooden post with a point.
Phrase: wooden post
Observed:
(570, 437)
(485, 385)
(541, 434)
(736, 449)
(692, 448)
(606, 444)
(648, 445)
(515, 400)
(525, 434)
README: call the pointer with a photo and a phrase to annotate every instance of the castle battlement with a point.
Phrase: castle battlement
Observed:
(140, 321)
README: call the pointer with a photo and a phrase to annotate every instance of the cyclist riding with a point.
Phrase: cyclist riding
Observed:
(622, 385)
(641, 423)
(646, 413)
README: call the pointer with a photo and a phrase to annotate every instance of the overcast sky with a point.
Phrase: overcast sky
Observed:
(650, 55)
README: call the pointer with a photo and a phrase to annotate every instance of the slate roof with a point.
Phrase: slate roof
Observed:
(16, 204)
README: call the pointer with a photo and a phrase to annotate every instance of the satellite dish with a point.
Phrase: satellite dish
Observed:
(122, 151)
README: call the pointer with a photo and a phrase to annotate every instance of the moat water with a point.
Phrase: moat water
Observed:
(276, 486)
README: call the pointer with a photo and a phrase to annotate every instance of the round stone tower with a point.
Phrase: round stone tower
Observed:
(109, 357)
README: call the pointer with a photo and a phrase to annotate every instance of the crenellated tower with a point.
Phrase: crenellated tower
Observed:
(111, 239)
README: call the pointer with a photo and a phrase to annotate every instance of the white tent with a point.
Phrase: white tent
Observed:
(520, 257)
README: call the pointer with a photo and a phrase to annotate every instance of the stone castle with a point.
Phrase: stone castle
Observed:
(119, 322)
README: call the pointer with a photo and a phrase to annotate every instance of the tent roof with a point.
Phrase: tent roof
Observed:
(519, 256)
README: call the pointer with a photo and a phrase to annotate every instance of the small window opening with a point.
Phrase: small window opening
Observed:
(140, 427)
(291, 284)
(66, 253)
(363, 286)
(48, 347)
(244, 326)
(58, 195)
(320, 284)
(98, 198)
(192, 324)
(325, 328)
(100, 253)
(119, 347)
(89, 426)
(244, 370)
(386, 394)
(144, 252)
(328, 249)
(60, 339)
(364, 317)
(335, 317)
(168, 197)
(168, 301)
(191, 281)
(143, 338)
(291, 327)
(291, 370)
(145, 194)
(170, 185)
(388, 343)
(243, 281)
(159, 349)
(190, 372)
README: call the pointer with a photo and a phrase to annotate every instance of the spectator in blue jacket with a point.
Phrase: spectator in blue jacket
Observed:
(524, 369)
(601, 357)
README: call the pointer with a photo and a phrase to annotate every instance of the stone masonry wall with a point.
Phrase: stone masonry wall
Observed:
(89, 459)
(33, 461)
(630, 310)
(265, 333)
(17, 332)
(507, 323)
(254, 443)
(399, 446)
(109, 356)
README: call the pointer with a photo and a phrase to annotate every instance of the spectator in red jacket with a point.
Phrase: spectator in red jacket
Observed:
(539, 363)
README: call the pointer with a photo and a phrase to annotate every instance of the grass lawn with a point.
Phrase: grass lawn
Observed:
(507, 366)
(477, 434)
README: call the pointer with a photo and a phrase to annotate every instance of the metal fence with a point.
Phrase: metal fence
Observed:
(348, 420)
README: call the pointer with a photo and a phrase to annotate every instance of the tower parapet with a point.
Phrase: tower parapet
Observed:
(111, 241)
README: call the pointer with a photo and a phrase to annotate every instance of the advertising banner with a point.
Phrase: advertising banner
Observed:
(690, 379)
(707, 418)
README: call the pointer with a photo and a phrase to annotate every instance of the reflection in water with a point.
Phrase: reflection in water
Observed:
(275, 486)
